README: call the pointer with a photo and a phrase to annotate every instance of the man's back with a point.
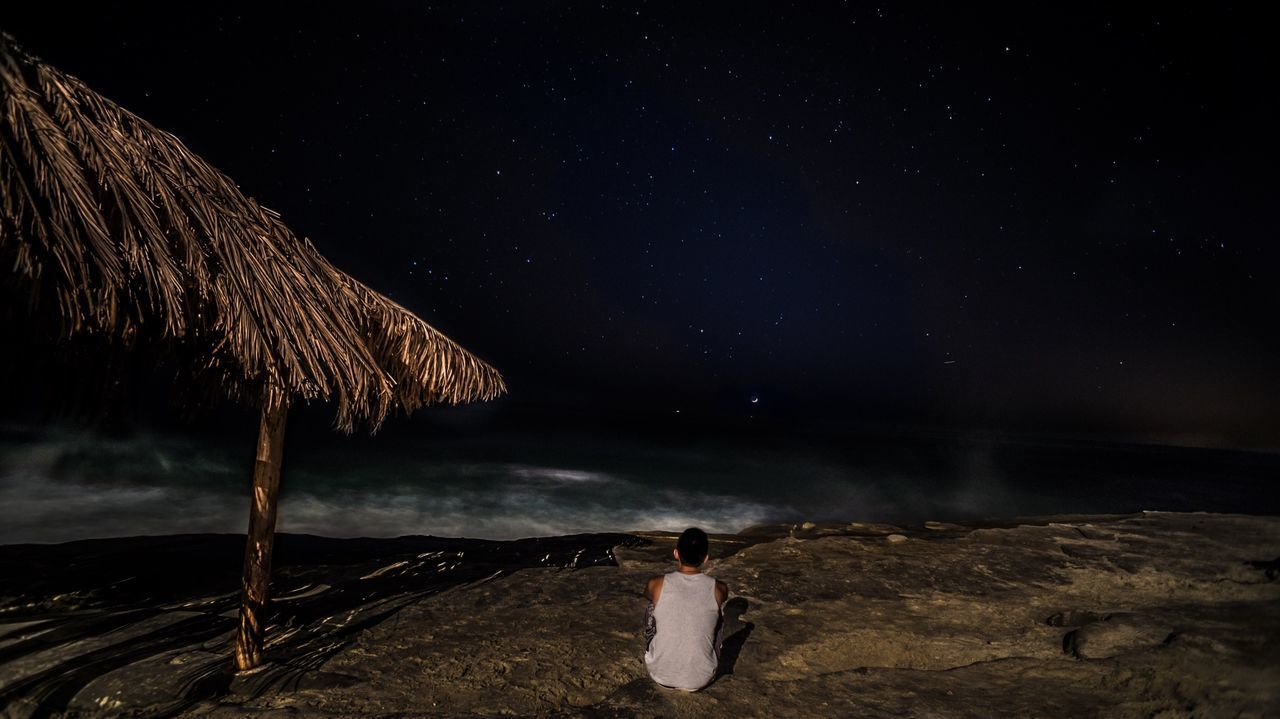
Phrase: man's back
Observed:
(683, 652)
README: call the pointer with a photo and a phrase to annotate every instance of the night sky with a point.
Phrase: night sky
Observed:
(1015, 218)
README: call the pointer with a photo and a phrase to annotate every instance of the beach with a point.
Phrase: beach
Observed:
(370, 363)
(1140, 615)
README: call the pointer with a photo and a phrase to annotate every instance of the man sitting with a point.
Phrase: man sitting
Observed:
(683, 619)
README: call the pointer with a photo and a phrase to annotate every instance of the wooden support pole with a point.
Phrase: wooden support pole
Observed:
(262, 531)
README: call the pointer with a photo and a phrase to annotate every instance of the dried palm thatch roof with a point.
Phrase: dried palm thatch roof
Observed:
(132, 234)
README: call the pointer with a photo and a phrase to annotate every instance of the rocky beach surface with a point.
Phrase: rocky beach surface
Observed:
(1146, 615)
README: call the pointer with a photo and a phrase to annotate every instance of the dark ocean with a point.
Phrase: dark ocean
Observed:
(59, 485)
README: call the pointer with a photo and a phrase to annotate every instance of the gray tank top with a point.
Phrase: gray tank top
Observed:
(682, 654)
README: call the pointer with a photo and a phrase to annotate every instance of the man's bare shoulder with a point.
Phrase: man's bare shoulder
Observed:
(653, 588)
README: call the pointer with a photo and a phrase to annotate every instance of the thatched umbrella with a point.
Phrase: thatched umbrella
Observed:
(135, 238)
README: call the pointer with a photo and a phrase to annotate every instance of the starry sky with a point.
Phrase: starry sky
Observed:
(1026, 218)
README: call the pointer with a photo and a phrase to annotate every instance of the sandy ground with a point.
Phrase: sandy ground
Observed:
(1152, 615)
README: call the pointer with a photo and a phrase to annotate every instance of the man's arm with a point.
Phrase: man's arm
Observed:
(722, 592)
(653, 589)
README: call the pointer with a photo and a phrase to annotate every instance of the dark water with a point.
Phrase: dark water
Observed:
(58, 486)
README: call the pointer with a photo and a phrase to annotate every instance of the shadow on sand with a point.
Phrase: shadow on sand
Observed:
(736, 634)
(148, 621)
